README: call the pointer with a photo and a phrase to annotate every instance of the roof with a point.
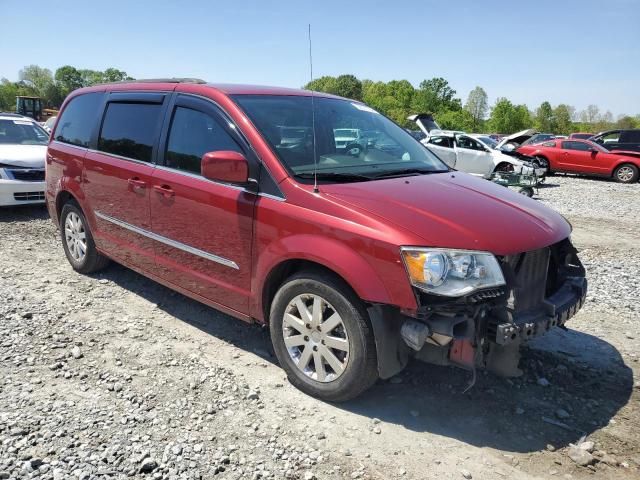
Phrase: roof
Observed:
(14, 116)
(231, 88)
(237, 89)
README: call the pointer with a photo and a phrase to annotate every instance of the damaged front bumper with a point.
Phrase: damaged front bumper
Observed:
(485, 329)
(554, 312)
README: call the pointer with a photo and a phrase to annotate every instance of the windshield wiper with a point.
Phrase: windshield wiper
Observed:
(340, 177)
(406, 172)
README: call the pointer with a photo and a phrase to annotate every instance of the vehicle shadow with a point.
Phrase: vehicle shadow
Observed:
(586, 376)
(22, 213)
(586, 384)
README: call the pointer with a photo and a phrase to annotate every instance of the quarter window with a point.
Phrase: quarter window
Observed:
(129, 130)
(78, 119)
(194, 133)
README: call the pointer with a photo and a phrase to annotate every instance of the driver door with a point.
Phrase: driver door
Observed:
(473, 157)
(578, 157)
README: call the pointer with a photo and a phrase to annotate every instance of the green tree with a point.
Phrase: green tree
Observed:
(68, 78)
(457, 120)
(562, 115)
(544, 119)
(502, 115)
(115, 75)
(626, 122)
(477, 106)
(509, 118)
(37, 77)
(90, 77)
(435, 96)
(347, 86)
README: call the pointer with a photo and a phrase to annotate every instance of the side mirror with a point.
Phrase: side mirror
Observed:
(593, 150)
(225, 166)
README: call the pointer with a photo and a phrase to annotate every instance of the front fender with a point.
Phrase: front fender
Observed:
(331, 253)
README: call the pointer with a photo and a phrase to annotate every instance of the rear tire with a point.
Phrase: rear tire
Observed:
(328, 348)
(626, 173)
(77, 240)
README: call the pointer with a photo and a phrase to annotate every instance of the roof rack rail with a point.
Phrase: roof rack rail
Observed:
(160, 80)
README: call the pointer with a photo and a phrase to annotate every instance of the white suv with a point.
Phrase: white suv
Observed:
(23, 146)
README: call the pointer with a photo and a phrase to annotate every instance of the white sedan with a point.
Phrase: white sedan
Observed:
(471, 155)
(23, 147)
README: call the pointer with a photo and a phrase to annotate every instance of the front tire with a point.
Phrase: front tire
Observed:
(77, 241)
(626, 173)
(322, 337)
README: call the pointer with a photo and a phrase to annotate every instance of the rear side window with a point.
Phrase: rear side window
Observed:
(585, 147)
(78, 119)
(194, 133)
(130, 129)
(630, 136)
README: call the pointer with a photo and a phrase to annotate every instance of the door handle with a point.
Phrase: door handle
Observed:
(164, 190)
(135, 182)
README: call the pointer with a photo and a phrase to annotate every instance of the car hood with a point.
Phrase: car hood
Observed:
(518, 137)
(456, 210)
(625, 153)
(30, 156)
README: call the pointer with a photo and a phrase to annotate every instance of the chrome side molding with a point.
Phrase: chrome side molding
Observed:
(167, 241)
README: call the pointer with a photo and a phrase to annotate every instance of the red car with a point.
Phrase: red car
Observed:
(357, 255)
(586, 158)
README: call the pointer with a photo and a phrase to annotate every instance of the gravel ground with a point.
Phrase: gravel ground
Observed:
(114, 376)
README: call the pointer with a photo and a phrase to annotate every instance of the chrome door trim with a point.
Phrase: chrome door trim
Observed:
(167, 241)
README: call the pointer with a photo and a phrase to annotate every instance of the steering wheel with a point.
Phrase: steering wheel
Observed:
(354, 149)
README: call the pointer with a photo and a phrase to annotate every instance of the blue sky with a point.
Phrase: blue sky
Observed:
(563, 51)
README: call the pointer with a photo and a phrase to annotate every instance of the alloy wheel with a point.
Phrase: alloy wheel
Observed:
(316, 338)
(75, 236)
(625, 174)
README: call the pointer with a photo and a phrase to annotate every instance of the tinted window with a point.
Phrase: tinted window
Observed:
(585, 147)
(129, 130)
(441, 141)
(78, 119)
(581, 136)
(630, 136)
(194, 133)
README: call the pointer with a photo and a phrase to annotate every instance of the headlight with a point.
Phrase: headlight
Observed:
(451, 273)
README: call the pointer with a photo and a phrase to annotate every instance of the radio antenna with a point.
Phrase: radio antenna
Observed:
(313, 121)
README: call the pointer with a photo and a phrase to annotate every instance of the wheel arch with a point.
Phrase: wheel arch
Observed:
(315, 253)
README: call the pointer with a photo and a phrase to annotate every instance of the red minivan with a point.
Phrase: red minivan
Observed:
(359, 253)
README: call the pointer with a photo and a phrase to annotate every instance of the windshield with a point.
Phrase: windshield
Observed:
(353, 141)
(22, 132)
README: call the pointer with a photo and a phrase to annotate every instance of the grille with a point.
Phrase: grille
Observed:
(530, 278)
(28, 196)
(27, 175)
